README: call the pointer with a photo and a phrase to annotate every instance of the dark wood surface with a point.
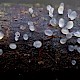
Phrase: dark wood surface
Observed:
(52, 56)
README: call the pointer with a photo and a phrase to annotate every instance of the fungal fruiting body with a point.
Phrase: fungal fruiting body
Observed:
(61, 22)
(37, 44)
(1, 51)
(25, 37)
(12, 45)
(61, 8)
(1, 35)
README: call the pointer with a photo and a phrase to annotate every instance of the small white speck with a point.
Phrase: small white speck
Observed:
(16, 38)
(53, 22)
(48, 32)
(50, 14)
(61, 22)
(72, 15)
(32, 28)
(73, 62)
(51, 10)
(31, 10)
(71, 48)
(77, 33)
(1, 51)
(30, 23)
(61, 8)
(22, 27)
(63, 41)
(78, 49)
(12, 45)
(69, 35)
(78, 40)
(70, 25)
(37, 44)
(17, 34)
(49, 7)
(25, 37)
(1, 35)
(65, 31)
(69, 12)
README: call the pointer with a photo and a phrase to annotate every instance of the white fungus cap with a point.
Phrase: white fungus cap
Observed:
(63, 41)
(31, 10)
(69, 25)
(25, 37)
(1, 35)
(48, 32)
(61, 22)
(16, 38)
(72, 15)
(78, 40)
(1, 51)
(37, 44)
(73, 62)
(71, 48)
(50, 14)
(51, 10)
(78, 49)
(77, 33)
(69, 35)
(17, 34)
(32, 28)
(65, 31)
(61, 8)
(69, 12)
(12, 45)
(48, 7)
(53, 22)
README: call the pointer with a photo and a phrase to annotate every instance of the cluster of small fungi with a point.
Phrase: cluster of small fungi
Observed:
(65, 28)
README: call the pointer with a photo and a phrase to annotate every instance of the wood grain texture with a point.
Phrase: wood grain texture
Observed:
(52, 55)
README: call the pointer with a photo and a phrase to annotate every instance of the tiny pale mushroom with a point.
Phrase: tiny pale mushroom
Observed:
(73, 62)
(1, 51)
(78, 49)
(69, 25)
(77, 33)
(72, 15)
(53, 22)
(25, 37)
(31, 10)
(61, 8)
(71, 48)
(63, 40)
(1, 35)
(61, 22)
(37, 44)
(12, 45)
(65, 31)
(48, 32)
